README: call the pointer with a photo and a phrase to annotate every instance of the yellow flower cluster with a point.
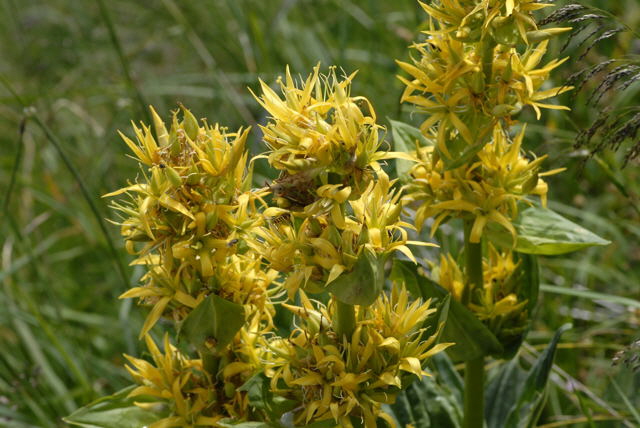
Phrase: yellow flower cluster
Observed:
(487, 190)
(340, 379)
(316, 250)
(497, 304)
(320, 135)
(335, 201)
(188, 214)
(188, 220)
(478, 67)
(176, 381)
(208, 241)
(337, 219)
(194, 395)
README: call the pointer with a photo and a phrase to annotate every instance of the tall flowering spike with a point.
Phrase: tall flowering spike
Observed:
(479, 66)
(188, 215)
(189, 220)
(341, 380)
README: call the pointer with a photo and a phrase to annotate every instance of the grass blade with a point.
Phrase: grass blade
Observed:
(590, 295)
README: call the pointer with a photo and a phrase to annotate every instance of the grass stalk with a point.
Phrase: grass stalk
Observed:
(14, 170)
(124, 63)
(78, 179)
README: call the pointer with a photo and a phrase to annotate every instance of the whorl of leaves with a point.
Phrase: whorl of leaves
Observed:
(629, 356)
(612, 127)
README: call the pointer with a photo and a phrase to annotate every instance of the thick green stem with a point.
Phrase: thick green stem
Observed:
(474, 372)
(474, 394)
(473, 265)
(345, 319)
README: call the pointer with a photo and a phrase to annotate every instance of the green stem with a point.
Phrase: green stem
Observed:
(474, 372)
(345, 319)
(474, 393)
(473, 259)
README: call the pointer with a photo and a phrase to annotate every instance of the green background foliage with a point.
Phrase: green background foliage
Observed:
(88, 68)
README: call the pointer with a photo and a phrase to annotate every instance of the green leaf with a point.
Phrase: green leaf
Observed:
(428, 403)
(433, 401)
(471, 337)
(515, 397)
(362, 285)
(229, 423)
(406, 138)
(261, 397)
(461, 153)
(591, 295)
(545, 232)
(214, 318)
(404, 272)
(113, 411)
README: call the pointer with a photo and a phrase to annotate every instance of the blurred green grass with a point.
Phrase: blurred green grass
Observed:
(63, 331)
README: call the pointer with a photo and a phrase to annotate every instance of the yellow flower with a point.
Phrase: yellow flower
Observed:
(324, 141)
(188, 214)
(315, 250)
(352, 378)
(174, 380)
(486, 190)
(497, 304)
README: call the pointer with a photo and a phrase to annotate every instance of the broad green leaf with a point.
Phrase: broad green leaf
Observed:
(113, 411)
(214, 318)
(502, 392)
(431, 402)
(527, 409)
(261, 397)
(405, 273)
(472, 338)
(362, 285)
(406, 138)
(545, 232)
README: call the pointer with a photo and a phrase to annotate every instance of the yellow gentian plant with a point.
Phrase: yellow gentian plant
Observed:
(480, 64)
(222, 258)
(301, 302)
